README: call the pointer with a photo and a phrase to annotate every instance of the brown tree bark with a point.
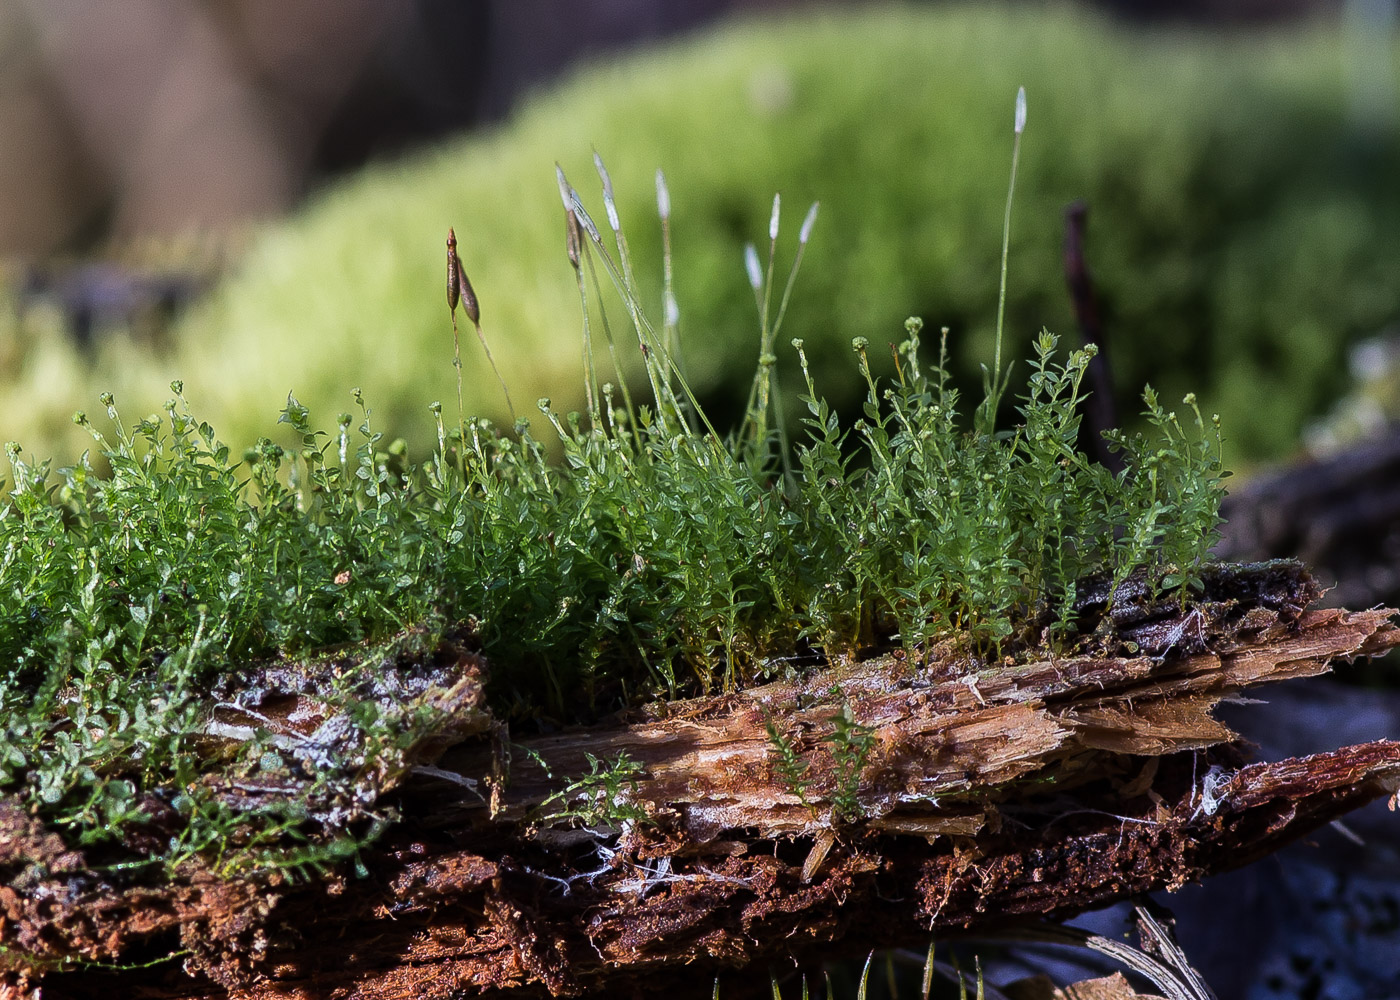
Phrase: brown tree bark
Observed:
(865, 804)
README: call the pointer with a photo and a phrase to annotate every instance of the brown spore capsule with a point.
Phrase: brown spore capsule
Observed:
(469, 304)
(573, 238)
(454, 271)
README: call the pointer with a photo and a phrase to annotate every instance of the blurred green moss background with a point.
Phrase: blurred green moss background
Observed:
(1244, 227)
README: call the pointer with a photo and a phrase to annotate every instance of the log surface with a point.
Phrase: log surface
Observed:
(967, 796)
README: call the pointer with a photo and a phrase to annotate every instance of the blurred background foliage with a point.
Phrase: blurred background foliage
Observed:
(1244, 223)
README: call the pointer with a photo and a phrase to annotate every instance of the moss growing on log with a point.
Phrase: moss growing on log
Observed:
(655, 562)
(934, 619)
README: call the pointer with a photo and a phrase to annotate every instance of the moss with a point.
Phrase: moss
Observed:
(149, 620)
(1242, 221)
(147, 615)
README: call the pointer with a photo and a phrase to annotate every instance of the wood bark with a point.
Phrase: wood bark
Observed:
(863, 804)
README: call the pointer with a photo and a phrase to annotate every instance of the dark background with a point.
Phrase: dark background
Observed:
(123, 120)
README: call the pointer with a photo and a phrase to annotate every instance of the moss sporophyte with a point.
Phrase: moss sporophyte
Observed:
(146, 613)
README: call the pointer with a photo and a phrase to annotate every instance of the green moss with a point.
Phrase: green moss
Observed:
(1242, 229)
(147, 616)
(851, 744)
(656, 561)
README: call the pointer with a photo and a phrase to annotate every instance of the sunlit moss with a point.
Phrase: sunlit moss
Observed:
(655, 561)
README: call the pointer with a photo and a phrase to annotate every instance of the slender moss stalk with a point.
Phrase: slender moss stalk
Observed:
(460, 288)
(999, 379)
(671, 314)
(454, 296)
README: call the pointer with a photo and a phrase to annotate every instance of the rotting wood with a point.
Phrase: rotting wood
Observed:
(453, 920)
(1026, 791)
(709, 764)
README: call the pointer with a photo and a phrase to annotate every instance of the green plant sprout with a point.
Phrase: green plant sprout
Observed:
(851, 744)
(790, 764)
(604, 797)
(994, 382)
(658, 558)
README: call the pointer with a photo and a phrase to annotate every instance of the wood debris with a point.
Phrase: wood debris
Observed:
(912, 802)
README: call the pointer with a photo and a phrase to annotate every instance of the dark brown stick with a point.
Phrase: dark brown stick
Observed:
(1100, 411)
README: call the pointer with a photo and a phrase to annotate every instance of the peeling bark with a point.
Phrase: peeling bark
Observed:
(964, 796)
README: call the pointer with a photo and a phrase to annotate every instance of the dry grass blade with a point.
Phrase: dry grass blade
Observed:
(1176, 981)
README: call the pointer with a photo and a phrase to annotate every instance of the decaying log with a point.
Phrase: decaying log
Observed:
(945, 750)
(859, 805)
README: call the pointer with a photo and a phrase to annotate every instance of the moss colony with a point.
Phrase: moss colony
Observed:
(139, 612)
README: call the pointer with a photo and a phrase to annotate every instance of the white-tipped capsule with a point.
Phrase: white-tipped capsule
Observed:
(1020, 110)
(583, 217)
(566, 193)
(773, 222)
(663, 196)
(754, 268)
(608, 203)
(808, 223)
(602, 174)
(673, 311)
